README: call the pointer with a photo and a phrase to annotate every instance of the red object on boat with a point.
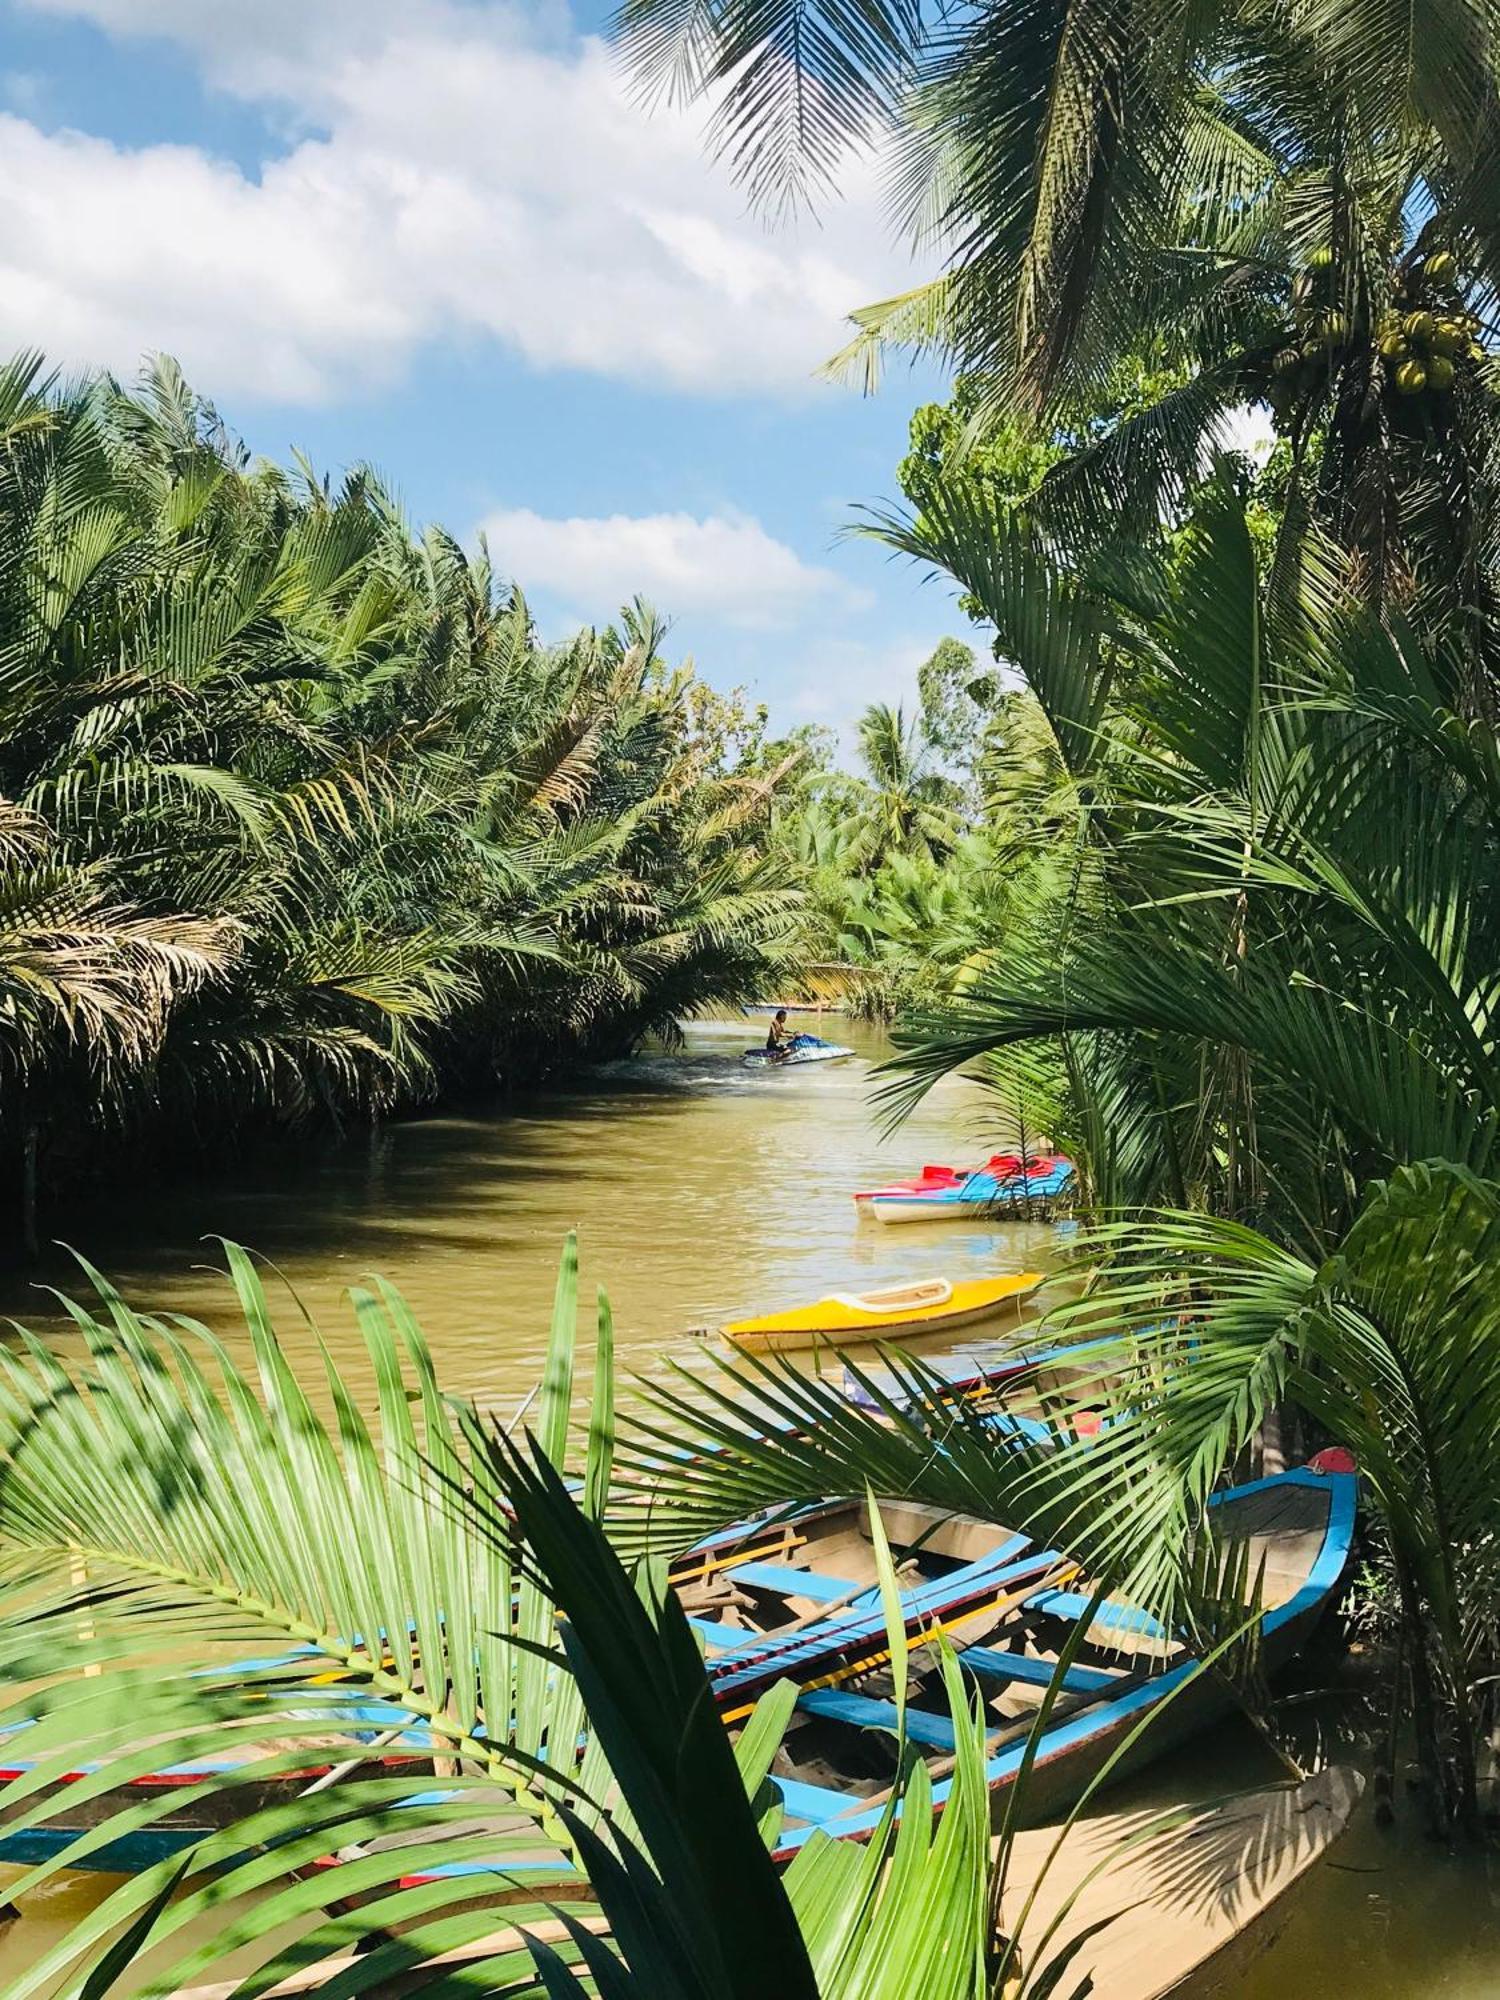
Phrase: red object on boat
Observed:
(1333, 1458)
(999, 1167)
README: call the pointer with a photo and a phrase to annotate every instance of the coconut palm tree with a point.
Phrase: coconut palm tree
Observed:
(1261, 206)
(911, 807)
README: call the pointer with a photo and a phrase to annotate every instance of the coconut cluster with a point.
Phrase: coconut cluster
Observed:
(1421, 341)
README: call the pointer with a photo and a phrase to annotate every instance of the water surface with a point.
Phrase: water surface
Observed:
(700, 1190)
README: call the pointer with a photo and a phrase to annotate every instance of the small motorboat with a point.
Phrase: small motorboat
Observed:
(800, 1049)
(949, 1194)
(900, 1311)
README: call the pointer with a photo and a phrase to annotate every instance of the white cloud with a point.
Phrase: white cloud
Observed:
(453, 180)
(724, 564)
(840, 677)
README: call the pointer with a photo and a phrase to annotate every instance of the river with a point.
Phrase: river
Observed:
(699, 1189)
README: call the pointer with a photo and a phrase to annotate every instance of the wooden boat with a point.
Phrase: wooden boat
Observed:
(794, 1596)
(835, 1767)
(354, 1718)
(1162, 1911)
(1009, 1609)
(800, 1049)
(798, 1598)
(899, 1311)
(1158, 1912)
(954, 1194)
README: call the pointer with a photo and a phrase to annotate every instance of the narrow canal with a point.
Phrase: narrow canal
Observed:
(700, 1189)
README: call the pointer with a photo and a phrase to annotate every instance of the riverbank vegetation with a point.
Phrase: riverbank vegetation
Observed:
(301, 821)
(1271, 696)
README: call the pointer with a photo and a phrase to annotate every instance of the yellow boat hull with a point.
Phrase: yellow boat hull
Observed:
(900, 1312)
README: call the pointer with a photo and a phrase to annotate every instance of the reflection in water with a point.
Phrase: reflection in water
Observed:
(701, 1191)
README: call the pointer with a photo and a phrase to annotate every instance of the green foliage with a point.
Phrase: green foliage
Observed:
(299, 819)
(191, 1557)
(1271, 994)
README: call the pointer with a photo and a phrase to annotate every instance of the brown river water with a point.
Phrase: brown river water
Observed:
(700, 1189)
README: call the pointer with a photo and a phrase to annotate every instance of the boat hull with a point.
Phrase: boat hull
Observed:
(838, 1322)
(1180, 1699)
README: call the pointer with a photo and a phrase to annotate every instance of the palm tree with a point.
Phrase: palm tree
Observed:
(1275, 1001)
(307, 795)
(911, 807)
(1258, 205)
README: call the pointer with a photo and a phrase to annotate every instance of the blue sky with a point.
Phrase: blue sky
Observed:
(441, 235)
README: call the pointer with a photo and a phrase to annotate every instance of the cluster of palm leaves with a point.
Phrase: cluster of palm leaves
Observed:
(343, 1632)
(297, 817)
(1274, 999)
(1258, 202)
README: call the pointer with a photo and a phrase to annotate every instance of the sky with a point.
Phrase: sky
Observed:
(445, 237)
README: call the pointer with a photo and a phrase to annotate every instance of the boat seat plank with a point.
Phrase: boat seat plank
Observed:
(810, 1803)
(994, 1663)
(866, 1713)
(789, 1582)
(1073, 1604)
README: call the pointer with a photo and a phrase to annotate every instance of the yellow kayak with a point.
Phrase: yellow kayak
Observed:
(932, 1307)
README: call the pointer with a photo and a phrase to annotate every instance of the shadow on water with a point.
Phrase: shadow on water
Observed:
(701, 1189)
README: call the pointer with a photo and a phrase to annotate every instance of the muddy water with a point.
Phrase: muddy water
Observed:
(700, 1189)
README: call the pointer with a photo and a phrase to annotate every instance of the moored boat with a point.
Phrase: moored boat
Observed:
(936, 1305)
(836, 1765)
(946, 1194)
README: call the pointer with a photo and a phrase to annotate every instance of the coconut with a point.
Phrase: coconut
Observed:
(1288, 359)
(1393, 347)
(1411, 378)
(1450, 338)
(1420, 325)
(1440, 372)
(1334, 328)
(1321, 259)
(1312, 350)
(1441, 266)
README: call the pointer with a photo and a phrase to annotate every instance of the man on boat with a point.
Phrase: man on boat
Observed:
(779, 1039)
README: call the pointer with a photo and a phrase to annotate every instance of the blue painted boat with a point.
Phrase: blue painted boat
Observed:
(794, 1596)
(835, 1766)
(836, 1763)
